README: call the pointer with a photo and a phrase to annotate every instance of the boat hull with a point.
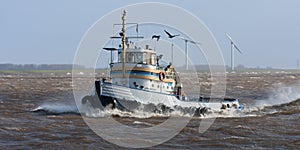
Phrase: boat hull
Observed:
(124, 98)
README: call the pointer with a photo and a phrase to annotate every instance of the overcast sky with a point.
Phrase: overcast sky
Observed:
(267, 31)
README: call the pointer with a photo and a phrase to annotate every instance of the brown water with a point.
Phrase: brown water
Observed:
(270, 119)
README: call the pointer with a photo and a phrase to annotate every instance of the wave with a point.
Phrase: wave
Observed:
(282, 99)
(56, 108)
(88, 111)
(292, 107)
(139, 112)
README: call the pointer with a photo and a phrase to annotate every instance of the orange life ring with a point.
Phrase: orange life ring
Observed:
(162, 76)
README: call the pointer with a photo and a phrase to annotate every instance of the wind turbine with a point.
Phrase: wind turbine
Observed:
(233, 46)
(186, 50)
(186, 46)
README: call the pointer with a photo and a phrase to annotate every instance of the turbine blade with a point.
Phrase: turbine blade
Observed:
(181, 38)
(188, 40)
(195, 42)
(237, 48)
(232, 42)
(228, 37)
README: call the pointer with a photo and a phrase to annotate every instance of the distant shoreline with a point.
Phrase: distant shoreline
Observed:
(9, 67)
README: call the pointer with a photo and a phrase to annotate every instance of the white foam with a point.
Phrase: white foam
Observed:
(57, 108)
(228, 113)
(89, 111)
(142, 123)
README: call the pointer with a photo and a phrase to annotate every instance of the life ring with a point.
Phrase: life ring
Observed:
(162, 76)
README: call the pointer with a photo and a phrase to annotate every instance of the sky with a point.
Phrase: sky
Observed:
(49, 32)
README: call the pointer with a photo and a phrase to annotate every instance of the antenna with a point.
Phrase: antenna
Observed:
(233, 46)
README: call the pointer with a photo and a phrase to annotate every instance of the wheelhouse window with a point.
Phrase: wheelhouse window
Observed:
(130, 57)
(139, 57)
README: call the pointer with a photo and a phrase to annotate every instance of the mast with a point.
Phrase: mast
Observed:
(123, 46)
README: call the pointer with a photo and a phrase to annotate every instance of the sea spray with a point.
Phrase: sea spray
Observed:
(280, 94)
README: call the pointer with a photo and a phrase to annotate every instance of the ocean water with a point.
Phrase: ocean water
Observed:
(38, 111)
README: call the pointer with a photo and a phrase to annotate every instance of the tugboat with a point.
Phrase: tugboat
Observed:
(138, 79)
